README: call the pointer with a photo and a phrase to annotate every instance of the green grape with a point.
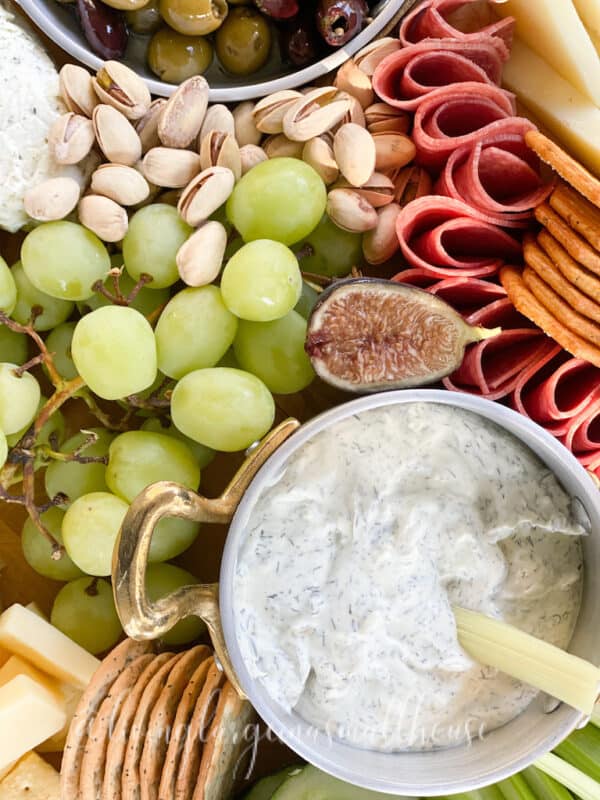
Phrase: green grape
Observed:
(156, 232)
(274, 352)
(194, 331)
(229, 360)
(226, 409)
(59, 343)
(74, 479)
(8, 289)
(203, 455)
(19, 398)
(64, 260)
(162, 580)
(28, 297)
(146, 301)
(334, 251)
(281, 199)
(307, 301)
(3, 449)
(84, 610)
(115, 352)
(262, 281)
(90, 528)
(14, 347)
(38, 550)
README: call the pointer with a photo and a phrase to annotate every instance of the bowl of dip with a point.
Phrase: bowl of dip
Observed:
(344, 557)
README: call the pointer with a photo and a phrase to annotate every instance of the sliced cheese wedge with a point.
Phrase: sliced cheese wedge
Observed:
(29, 714)
(31, 779)
(569, 115)
(48, 649)
(553, 29)
(589, 13)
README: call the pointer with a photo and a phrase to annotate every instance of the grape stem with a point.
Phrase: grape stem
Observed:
(44, 355)
(159, 398)
(117, 297)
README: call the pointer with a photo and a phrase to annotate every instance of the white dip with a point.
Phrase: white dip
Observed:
(353, 558)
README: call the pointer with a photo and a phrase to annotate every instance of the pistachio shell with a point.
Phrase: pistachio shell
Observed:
(251, 155)
(125, 185)
(354, 151)
(351, 212)
(318, 152)
(52, 200)
(171, 168)
(71, 138)
(182, 117)
(381, 243)
(381, 117)
(373, 54)
(410, 183)
(221, 150)
(200, 258)
(205, 194)
(269, 112)
(218, 118)
(355, 111)
(246, 131)
(314, 114)
(393, 150)
(378, 190)
(279, 146)
(119, 86)
(147, 126)
(76, 90)
(104, 217)
(116, 136)
(353, 80)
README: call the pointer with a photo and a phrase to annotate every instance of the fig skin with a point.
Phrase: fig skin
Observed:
(371, 335)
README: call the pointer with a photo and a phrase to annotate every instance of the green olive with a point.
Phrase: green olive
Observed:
(126, 5)
(243, 42)
(174, 57)
(194, 17)
(145, 20)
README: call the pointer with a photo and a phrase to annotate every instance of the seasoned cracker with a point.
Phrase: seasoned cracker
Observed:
(566, 166)
(572, 242)
(162, 718)
(574, 272)
(107, 673)
(582, 216)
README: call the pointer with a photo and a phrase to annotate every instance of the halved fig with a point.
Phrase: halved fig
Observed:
(370, 334)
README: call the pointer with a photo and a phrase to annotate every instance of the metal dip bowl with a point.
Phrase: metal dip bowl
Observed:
(58, 21)
(500, 753)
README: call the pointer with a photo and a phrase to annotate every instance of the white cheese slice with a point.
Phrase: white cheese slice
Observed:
(553, 29)
(569, 115)
(31, 779)
(30, 636)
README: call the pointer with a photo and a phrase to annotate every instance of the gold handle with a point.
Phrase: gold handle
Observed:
(145, 619)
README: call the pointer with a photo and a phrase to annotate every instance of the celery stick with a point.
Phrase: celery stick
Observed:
(574, 779)
(486, 793)
(498, 644)
(544, 787)
(515, 788)
(582, 750)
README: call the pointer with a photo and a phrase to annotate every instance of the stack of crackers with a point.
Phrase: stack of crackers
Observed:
(559, 288)
(156, 726)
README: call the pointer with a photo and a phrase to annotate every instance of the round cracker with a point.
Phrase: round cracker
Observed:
(130, 780)
(183, 717)
(582, 216)
(106, 674)
(577, 247)
(202, 717)
(162, 718)
(93, 763)
(117, 745)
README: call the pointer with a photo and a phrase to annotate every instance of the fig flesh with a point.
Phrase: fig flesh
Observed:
(370, 334)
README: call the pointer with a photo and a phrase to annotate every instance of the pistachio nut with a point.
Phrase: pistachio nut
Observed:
(116, 136)
(71, 138)
(51, 200)
(355, 111)
(279, 146)
(391, 125)
(351, 212)
(76, 90)
(218, 118)
(119, 86)
(182, 117)
(107, 219)
(410, 182)
(125, 185)
(170, 168)
(200, 258)
(382, 112)
(221, 150)
(373, 54)
(393, 150)
(354, 151)
(269, 112)
(355, 82)
(246, 131)
(378, 190)
(314, 114)
(251, 155)
(381, 243)
(318, 152)
(205, 194)
(147, 126)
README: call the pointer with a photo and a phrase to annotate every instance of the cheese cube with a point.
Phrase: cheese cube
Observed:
(5, 770)
(589, 13)
(30, 636)
(553, 29)
(70, 697)
(569, 115)
(29, 714)
(17, 666)
(31, 779)
(36, 610)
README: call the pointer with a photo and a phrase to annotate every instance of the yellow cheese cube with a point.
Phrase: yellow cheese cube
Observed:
(29, 714)
(31, 779)
(569, 115)
(30, 636)
(553, 29)
(5, 770)
(18, 666)
(589, 13)
(71, 697)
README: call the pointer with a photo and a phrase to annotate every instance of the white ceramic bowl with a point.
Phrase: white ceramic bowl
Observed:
(60, 24)
(502, 752)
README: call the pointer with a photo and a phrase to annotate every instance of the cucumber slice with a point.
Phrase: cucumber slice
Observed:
(312, 784)
(265, 788)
